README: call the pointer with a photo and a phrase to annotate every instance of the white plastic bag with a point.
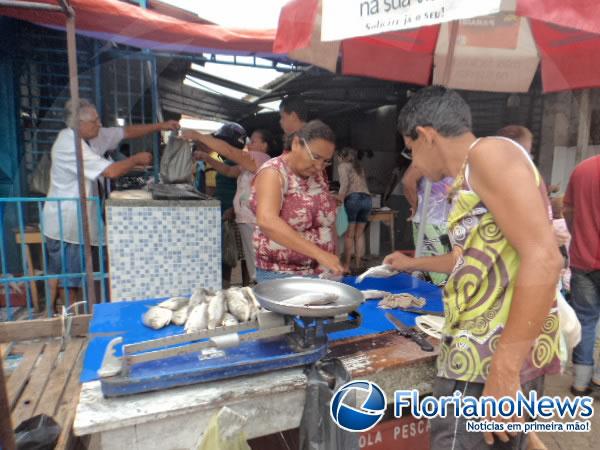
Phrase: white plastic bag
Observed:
(570, 327)
(40, 178)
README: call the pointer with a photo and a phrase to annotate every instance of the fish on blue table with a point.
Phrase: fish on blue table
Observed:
(180, 316)
(157, 317)
(382, 271)
(175, 303)
(238, 304)
(198, 319)
(200, 295)
(252, 301)
(370, 294)
(229, 320)
(216, 310)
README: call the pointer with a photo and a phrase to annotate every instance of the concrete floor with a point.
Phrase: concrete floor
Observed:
(559, 385)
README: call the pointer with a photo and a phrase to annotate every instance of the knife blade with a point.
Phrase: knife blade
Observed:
(421, 311)
(409, 332)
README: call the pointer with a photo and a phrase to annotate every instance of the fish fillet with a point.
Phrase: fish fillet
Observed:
(311, 299)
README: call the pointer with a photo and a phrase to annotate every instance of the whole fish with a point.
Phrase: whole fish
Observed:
(198, 319)
(392, 301)
(311, 299)
(238, 304)
(175, 303)
(250, 297)
(382, 271)
(216, 310)
(157, 317)
(370, 294)
(199, 296)
(229, 320)
(180, 316)
(252, 301)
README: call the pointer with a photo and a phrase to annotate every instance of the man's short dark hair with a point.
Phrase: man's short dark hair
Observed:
(437, 107)
(315, 129)
(295, 104)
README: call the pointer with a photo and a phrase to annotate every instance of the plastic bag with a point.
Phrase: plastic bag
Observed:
(37, 433)
(224, 432)
(570, 327)
(40, 178)
(177, 164)
(341, 220)
(317, 430)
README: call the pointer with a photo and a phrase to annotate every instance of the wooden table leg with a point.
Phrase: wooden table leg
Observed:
(34, 292)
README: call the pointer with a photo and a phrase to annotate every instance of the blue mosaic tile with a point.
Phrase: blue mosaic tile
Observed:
(162, 251)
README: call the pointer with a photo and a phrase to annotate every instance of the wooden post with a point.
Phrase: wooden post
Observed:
(7, 435)
(74, 90)
(452, 35)
(583, 127)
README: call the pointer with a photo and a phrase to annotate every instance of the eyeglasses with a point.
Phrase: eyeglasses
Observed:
(315, 158)
(407, 153)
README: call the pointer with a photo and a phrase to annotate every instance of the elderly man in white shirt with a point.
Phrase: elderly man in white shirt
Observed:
(62, 230)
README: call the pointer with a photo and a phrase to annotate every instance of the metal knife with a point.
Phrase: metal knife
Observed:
(410, 332)
(421, 311)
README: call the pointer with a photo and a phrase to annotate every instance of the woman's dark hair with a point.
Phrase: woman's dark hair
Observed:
(268, 138)
(315, 129)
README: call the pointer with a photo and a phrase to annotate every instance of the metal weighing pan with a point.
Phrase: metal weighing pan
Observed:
(271, 293)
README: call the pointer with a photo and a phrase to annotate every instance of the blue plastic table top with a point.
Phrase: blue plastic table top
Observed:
(124, 318)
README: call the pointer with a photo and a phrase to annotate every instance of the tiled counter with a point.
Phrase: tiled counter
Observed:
(160, 248)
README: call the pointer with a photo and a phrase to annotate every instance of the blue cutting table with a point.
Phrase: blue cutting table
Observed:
(124, 319)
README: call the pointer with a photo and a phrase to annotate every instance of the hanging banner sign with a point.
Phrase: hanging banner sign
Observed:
(344, 19)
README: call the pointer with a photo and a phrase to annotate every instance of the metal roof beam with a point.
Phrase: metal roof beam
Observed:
(226, 83)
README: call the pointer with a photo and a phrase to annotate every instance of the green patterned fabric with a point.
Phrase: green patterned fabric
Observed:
(478, 296)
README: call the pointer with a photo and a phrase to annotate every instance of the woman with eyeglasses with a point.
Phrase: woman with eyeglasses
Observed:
(355, 195)
(295, 212)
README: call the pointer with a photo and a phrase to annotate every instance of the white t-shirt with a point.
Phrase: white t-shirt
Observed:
(63, 182)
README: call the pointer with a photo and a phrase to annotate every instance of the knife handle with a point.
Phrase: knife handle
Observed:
(421, 342)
